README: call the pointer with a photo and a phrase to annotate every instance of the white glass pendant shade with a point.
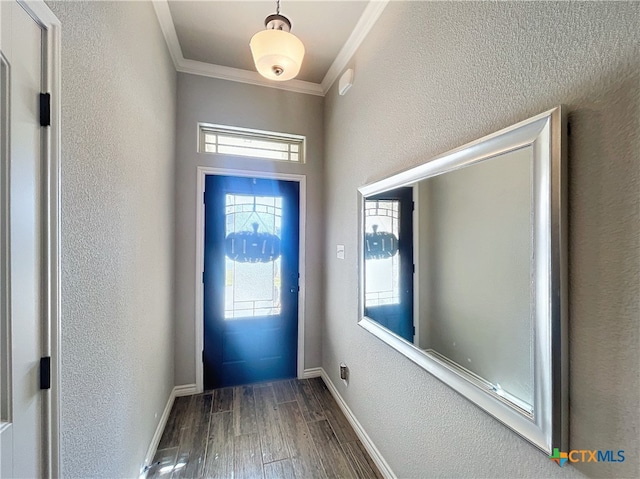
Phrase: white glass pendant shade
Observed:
(277, 54)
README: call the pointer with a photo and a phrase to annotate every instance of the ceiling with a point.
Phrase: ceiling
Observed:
(211, 38)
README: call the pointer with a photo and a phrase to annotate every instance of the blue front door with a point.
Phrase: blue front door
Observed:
(250, 280)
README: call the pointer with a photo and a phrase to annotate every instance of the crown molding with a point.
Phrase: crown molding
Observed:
(369, 17)
(245, 76)
(168, 30)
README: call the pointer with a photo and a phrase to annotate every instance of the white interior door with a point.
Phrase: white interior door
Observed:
(21, 438)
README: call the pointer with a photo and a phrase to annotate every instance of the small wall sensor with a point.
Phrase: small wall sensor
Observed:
(346, 80)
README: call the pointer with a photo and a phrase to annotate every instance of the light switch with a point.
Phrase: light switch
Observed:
(340, 251)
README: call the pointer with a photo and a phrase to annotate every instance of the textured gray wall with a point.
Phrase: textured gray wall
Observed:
(209, 100)
(432, 76)
(118, 130)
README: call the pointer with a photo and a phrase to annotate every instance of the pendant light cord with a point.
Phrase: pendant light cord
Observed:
(277, 7)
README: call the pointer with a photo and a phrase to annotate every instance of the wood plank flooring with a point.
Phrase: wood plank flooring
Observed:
(279, 430)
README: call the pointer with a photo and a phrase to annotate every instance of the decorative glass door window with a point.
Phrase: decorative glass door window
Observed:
(382, 261)
(253, 276)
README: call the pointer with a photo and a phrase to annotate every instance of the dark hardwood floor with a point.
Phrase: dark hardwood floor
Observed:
(278, 430)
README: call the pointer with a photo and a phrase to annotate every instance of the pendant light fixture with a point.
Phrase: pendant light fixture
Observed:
(276, 52)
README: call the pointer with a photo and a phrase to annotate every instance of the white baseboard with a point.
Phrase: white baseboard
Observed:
(155, 440)
(185, 390)
(312, 373)
(177, 391)
(383, 466)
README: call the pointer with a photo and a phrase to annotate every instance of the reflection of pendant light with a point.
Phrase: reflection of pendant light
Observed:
(252, 247)
(379, 245)
(276, 52)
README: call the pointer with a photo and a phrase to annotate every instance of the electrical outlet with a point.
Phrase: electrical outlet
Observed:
(344, 372)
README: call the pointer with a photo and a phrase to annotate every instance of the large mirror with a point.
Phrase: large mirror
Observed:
(463, 270)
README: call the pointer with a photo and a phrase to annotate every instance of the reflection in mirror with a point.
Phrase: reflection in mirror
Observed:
(474, 248)
(388, 254)
(462, 270)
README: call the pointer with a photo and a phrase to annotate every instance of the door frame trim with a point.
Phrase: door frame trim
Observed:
(50, 187)
(202, 172)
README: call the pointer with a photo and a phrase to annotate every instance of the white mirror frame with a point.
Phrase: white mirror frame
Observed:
(547, 426)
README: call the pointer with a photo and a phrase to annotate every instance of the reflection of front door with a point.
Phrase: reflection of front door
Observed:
(388, 263)
(250, 280)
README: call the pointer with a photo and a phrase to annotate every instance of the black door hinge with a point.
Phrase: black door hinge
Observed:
(45, 372)
(45, 109)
